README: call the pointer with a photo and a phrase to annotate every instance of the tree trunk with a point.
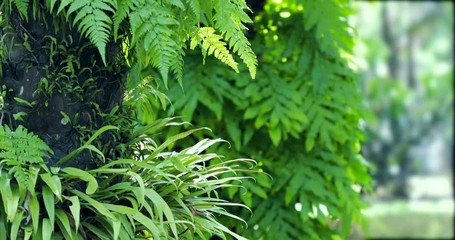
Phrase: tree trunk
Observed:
(30, 61)
(389, 39)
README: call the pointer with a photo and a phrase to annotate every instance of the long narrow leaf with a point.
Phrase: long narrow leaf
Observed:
(14, 231)
(172, 140)
(162, 206)
(47, 229)
(34, 209)
(75, 209)
(94, 203)
(53, 181)
(92, 184)
(64, 223)
(48, 198)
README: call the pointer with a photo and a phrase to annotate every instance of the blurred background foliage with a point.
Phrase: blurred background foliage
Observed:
(405, 56)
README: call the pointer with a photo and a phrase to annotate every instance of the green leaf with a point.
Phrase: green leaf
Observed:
(147, 223)
(34, 208)
(255, 189)
(23, 101)
(14, 231)
(116, 225)
(100, 234)
(75, 209)
(171, 140)
(275, 135)
(94, 203)
(162, 206)
(48, 198)
(10, 197)
(99, 132)
(309, 143)
(64, 223)
(178, 163)
(47, 229)
(3, 230)
(66, 117)
(92, 183)
(234, 131)
(74, 153)
(53, 181)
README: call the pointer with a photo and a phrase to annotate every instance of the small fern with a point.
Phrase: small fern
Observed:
(19, 152)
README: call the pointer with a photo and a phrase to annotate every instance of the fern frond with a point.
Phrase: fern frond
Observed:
(328, 117)
(22, 6)
(276, 104)
(123, 9)
(177, 3)
(211, 43)
(228, 20)
(331, 32)
(92, 19)
(19, 150)
(154, 39)
(195, 8)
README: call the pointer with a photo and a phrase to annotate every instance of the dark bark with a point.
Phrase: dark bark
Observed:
(27, 66)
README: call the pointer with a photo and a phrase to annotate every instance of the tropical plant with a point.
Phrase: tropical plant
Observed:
(299, 119)
(159, 194)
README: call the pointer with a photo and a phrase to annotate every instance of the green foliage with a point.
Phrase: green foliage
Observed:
(92, 19)
(139, 187)
(22, 153)
(22, 6)
(154, 193)
(299, 119)
(157, 31)
(211, 43)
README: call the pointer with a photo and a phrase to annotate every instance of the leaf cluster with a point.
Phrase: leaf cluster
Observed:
(153, 193)
(299, 119)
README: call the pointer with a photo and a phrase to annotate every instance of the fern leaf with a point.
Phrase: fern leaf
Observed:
(22, 6)
(19, 150)
(211, 44)
(229, 18)
(331, 32)
(63, 4)
(177, 3)
(195, 7)
(76, 5)
(154, 39)
(92, 19)
(123, 9)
